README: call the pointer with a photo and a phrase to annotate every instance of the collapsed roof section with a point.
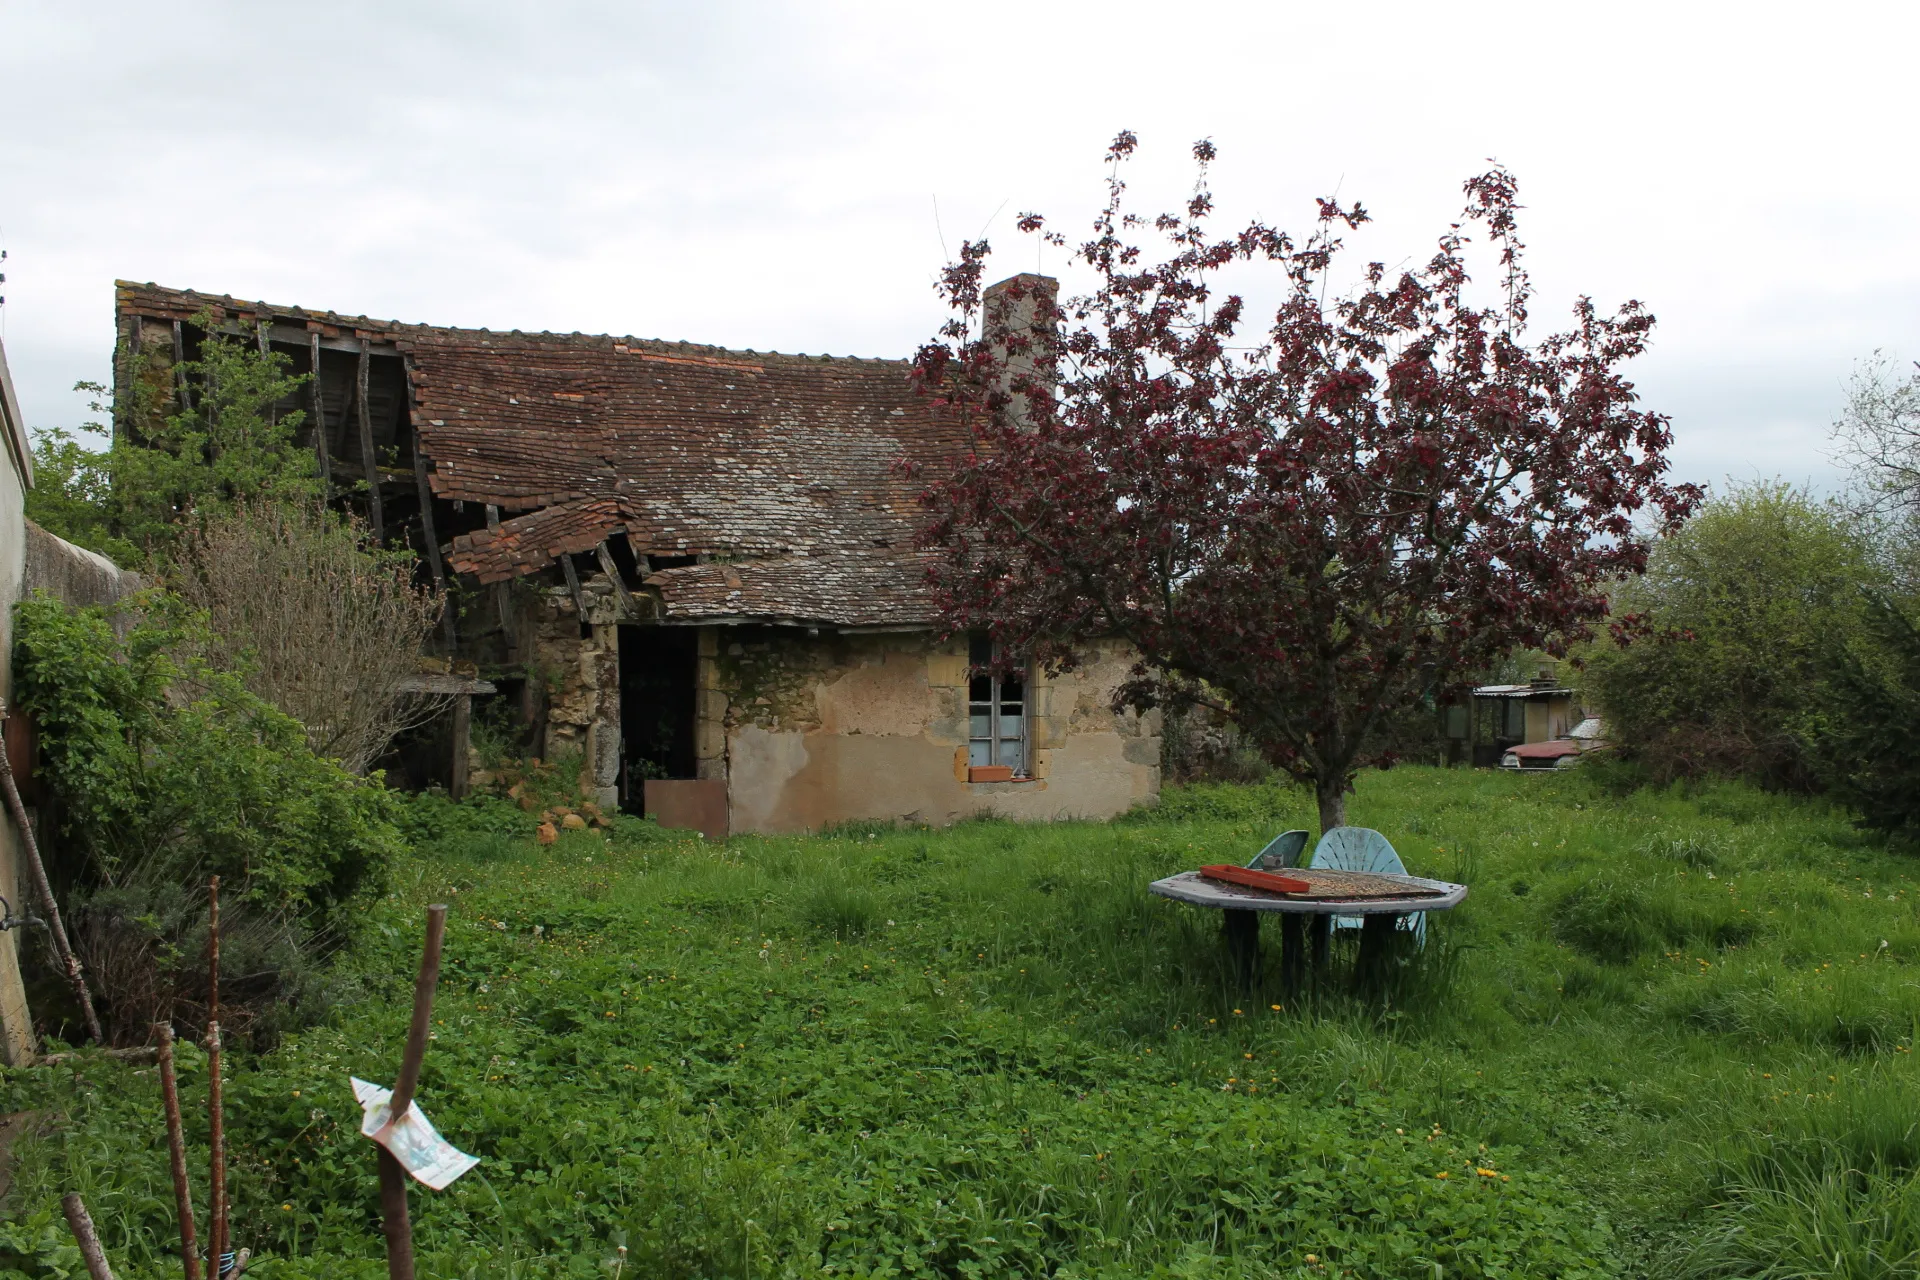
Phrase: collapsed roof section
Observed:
(778, 475)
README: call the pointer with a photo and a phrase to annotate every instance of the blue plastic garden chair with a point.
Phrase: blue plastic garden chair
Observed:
(1282, 851)
(1364, 849)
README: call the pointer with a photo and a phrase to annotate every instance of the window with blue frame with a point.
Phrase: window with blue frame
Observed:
(996, 706)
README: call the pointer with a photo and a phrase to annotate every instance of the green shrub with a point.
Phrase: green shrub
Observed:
(1872, 754)
(165, 771)
(1745, 602)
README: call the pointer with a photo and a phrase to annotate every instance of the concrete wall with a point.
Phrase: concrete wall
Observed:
(16, 1028)
(16, 470)
(831, 728)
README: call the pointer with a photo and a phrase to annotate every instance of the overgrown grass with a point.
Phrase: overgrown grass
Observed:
(1673, 1030)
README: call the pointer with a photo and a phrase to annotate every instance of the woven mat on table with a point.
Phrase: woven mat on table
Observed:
(1349, 886)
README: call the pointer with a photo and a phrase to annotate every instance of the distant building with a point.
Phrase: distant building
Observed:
(691, 566)
(1499, 717)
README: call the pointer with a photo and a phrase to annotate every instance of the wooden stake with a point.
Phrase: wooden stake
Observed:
(367, 456)
(393, 1178)
(216, 1111)
(37, 872)
(177, 1152)
(89, 1240)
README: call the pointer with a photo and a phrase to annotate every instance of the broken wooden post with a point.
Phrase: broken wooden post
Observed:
(266, 349)
(319, 417)
(573, 585)
(177, 1152)
(37, 872)
(180, 369)
(88, 1239)
(367, 456)
(605, 555)
(216, 1114)
(462, 733)
(393, 1178)
(427, 533)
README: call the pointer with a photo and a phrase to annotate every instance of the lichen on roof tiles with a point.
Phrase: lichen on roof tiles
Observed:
(787, 466)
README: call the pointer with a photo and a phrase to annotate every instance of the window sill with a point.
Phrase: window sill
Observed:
(979, 775)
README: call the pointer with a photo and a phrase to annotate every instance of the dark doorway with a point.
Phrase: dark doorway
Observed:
(658, 668)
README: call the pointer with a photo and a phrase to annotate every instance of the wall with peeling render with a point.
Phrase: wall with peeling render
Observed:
(832, 728)
(811, 729)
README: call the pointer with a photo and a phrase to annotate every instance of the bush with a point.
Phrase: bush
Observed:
(1872, 754)
(316, 618)
(165, 771)
(1746, 602)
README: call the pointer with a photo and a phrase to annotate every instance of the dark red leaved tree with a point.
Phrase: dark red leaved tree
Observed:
(1310, 529)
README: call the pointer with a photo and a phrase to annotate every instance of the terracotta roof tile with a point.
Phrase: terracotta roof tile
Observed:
(784, 464)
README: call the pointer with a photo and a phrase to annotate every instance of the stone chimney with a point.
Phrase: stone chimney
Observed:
(1017, 321)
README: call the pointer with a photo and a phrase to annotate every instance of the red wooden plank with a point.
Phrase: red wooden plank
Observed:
(1255, 879)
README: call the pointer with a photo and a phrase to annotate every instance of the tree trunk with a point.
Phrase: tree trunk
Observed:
(1332, 794)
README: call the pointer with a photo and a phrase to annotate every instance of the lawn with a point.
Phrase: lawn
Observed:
(1668, 1034)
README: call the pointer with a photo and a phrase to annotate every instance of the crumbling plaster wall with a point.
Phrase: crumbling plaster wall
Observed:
(832, 728)
(814, 729)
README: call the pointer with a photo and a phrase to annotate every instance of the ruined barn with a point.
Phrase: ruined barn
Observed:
(690, 566)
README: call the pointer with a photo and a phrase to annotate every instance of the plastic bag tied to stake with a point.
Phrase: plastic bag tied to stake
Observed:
(412, 1139)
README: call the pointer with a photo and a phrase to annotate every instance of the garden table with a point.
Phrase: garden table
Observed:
(1380, 900)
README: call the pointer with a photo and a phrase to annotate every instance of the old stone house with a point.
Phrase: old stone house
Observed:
(692, 566)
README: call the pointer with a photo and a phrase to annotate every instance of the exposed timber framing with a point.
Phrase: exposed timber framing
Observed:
(573, 585)
(457, 774)
(368, 458)
(319, 420)
(180, 368)
(260, 333)
(612, 570)
(427, 535)
(135, 353)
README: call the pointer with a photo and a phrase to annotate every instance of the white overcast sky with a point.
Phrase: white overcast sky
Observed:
(766, 175)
